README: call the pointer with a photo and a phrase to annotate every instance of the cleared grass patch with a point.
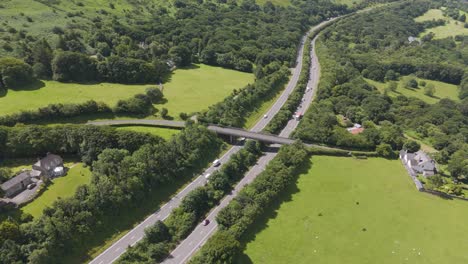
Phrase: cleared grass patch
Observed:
(345, 210)
(443, 90)
(165, 133)
(451, 29)
(60, 188)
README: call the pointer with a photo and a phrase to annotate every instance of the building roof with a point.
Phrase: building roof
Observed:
(15, 180)
(49, 162)
(355, 130)
(35, 173)
(421, 157)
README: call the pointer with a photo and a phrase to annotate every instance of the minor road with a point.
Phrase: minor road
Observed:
(112, 253)
(189, 246)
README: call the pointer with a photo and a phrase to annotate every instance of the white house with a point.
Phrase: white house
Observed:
(419, 162)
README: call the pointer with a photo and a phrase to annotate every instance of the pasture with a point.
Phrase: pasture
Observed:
(443, 90)
(188, 90)
(196, 88)
(346, 210)
(450, 29)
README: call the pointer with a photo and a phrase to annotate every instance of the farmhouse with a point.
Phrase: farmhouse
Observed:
(356, 129)
(17, 184)
(50, 166)
(419, 162)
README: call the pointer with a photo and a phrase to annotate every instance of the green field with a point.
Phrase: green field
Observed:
(165, 133)
(188, 90)
(348, 2)
(195, 89)
(60, 188)
(275, 2)
(31, 98)
(452, 27)
(443, 90)
(345, 210)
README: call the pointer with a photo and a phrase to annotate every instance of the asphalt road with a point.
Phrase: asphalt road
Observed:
(136, 234)
(189, 246)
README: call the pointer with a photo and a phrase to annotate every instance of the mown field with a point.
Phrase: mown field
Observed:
(346, 210)
(188, 90)
(195, 89)
(443, 90)
(60, 188)
(451, 29)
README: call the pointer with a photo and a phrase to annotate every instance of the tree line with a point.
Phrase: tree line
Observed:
(126, 167)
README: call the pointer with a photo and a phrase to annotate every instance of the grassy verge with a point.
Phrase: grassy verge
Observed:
(258, 113)
(346, 210)
(165, 133)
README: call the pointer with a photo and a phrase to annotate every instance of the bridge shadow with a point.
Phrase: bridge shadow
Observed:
(271, 212)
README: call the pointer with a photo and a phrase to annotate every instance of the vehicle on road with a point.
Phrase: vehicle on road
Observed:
(207, 175)
(206, 222)
(216, 163)
(31, 185)
(265, 116)
(298, 116)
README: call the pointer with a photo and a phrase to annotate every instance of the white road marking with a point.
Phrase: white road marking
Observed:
(117, 250)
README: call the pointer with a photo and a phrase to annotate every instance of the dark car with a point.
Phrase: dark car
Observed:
(206, 222)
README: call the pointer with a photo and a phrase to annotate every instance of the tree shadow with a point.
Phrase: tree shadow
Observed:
(271, 212)
(35, 85)
(190, 67)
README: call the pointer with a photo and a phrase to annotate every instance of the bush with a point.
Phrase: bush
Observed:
(412, 146)
(15, 73)
(385, 150)
(411, 83)
(70, 66)
(154, 94)
(140, 104)
(429, 90)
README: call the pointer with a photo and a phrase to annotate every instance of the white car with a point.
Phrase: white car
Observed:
(216, 163)
(265, 116)
(207, 175)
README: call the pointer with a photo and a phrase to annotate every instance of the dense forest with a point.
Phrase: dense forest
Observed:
(143, 47)
(376, 46)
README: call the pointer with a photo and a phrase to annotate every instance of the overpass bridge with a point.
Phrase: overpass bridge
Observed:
(229, 131)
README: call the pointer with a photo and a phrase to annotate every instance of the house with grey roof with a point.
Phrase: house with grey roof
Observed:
(16, 184)
(50, 166)
(419, 162)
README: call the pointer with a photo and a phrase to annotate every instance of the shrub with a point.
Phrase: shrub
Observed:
(15, 73)
(70, 66)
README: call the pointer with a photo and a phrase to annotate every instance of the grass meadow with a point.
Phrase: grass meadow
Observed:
(345, 210)
(443, 90)
(451, 29)
(196, 88)
(60, 188)
(188, 90)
